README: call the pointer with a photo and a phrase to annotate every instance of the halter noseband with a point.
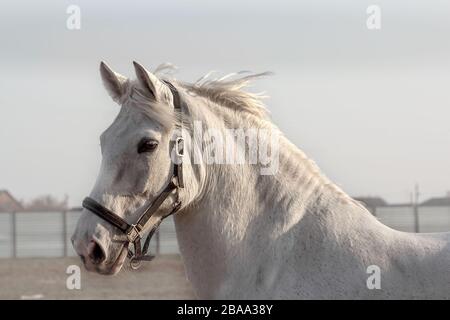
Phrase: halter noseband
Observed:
(134, 232)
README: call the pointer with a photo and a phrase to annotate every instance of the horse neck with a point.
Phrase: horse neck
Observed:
(238, 212)
(234, 195)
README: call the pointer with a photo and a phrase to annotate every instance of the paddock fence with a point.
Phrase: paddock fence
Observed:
(47, 234)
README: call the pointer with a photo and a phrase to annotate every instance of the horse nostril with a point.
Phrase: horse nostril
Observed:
(95, 252)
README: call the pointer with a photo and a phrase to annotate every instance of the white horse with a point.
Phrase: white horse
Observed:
(244, 233)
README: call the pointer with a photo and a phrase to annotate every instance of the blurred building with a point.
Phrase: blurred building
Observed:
(437, 202)
(8, 203)
(432, 215)
(371, 203)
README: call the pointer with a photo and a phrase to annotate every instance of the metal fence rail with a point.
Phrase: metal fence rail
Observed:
(430, 219)
(47, 234)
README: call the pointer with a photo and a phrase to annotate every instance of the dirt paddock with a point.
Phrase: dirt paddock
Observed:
(45, 278)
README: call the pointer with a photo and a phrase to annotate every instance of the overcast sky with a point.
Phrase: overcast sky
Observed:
(372, 108)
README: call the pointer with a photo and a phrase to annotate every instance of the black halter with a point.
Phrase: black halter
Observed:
(134, 232)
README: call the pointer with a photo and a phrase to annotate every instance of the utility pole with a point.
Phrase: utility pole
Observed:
(64, 233)
(14, 235)
(416, 207)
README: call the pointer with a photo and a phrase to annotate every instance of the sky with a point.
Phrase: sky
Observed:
(371, 107)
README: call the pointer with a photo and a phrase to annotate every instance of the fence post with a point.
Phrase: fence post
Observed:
(416, 208)
(14, 234)
(416, 219)
(64, 233)
(157, 242)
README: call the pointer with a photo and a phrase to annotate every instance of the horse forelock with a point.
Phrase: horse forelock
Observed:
(137, 97)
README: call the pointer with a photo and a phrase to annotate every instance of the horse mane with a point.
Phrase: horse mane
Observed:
(227, 91)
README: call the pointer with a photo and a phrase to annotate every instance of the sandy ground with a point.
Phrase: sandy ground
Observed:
(45, 278)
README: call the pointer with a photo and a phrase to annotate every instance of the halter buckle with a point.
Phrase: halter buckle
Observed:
(132, 233)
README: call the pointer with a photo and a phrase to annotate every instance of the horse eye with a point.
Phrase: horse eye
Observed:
(147, 145)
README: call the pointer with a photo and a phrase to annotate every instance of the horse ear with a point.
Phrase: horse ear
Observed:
(149, 81)
(114, 83)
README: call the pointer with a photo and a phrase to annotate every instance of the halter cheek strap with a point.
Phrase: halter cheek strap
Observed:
(134, 232)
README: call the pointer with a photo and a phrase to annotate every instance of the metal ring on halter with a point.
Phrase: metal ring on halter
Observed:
(135, 263)
(179, 142)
